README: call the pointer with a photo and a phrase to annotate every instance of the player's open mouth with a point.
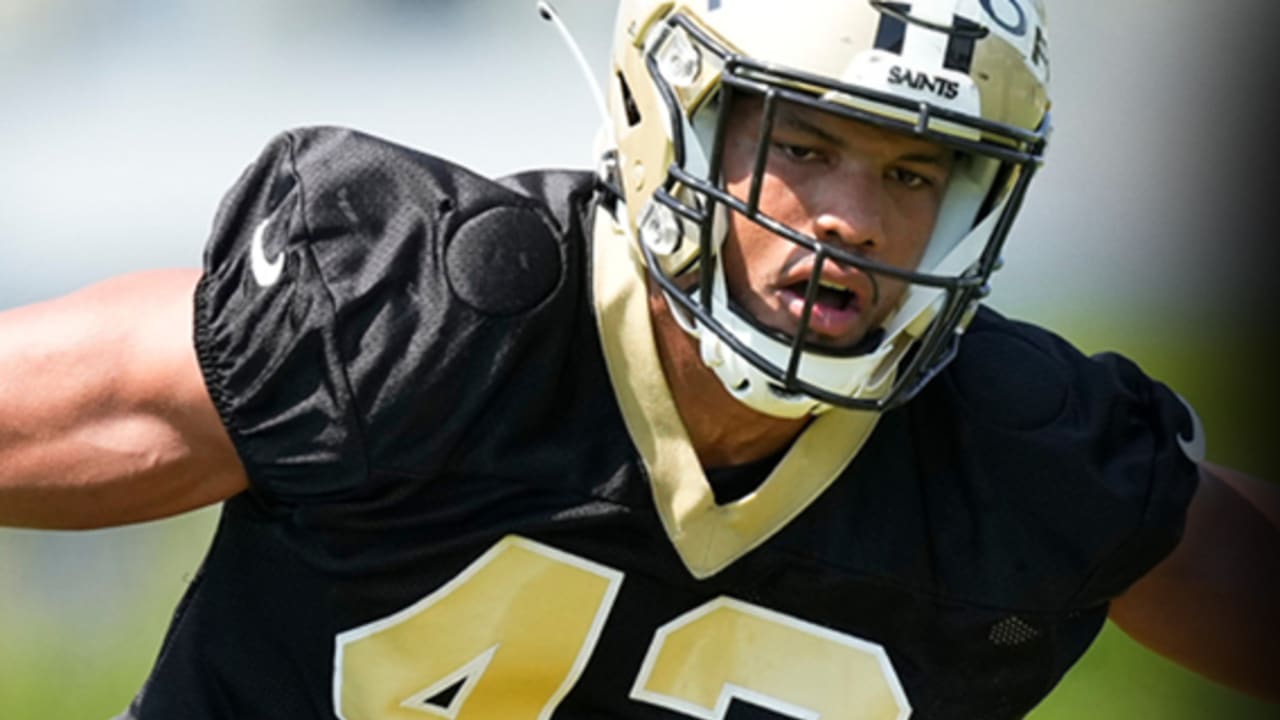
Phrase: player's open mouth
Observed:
(835, 309)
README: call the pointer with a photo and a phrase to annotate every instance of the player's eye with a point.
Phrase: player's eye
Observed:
(798, 153)
(908, 179)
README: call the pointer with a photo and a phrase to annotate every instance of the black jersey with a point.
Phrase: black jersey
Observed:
(471, 496)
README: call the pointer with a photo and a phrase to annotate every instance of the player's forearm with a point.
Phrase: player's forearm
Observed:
(80, 478)
(1211, 606)
(101, 416)
(1263, 494)
(86, 467)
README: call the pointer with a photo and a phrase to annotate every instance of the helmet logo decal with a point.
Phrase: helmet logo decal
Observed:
(960, 27)
(892, 30)
(1025, 30)
(942, 87)
(1010, 16)
(963, 34)
(1019, 28)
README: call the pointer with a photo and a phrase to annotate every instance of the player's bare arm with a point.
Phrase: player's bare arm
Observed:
(1211, 605)
(104, 417)
(722, 428)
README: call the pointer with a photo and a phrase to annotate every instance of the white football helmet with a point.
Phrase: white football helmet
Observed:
(970, 75)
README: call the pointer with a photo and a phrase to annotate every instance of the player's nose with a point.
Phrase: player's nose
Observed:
(848, 212)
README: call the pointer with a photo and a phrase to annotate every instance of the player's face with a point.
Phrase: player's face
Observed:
(852, 185)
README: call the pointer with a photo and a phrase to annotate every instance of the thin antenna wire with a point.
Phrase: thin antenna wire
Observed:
(549, 14)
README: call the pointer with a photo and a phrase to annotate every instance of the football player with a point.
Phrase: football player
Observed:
(695, 435)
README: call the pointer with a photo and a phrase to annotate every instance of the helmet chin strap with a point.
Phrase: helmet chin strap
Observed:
(863, 376)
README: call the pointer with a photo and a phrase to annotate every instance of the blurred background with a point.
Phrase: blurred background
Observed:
(123, 122)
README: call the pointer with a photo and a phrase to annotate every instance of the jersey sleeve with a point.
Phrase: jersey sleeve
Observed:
(1151, 443)
(337, 334)
(1087, 463)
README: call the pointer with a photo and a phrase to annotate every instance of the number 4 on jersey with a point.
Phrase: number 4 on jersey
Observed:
(509, 636)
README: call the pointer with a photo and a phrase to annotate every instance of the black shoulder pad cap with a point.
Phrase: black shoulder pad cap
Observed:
(1009, 376)
(1076, 456)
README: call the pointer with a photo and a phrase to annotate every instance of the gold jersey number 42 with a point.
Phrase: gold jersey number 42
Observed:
(510, 635)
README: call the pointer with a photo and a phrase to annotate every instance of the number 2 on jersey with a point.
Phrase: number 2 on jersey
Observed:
(510, 635)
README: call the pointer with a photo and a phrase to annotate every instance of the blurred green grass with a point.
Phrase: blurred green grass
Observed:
(78, 646)
(82, 614)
